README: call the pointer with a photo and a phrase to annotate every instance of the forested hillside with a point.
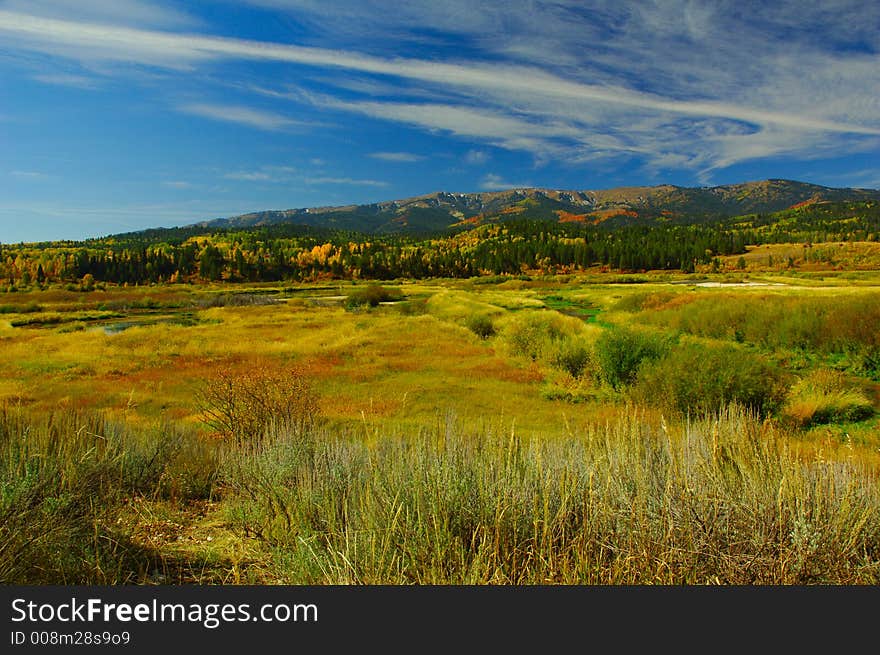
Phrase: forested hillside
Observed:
(293, 252)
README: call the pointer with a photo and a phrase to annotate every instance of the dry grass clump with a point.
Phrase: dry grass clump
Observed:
(826, 396)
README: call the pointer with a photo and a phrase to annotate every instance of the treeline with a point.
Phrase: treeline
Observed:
(264, 256)
(301, 253)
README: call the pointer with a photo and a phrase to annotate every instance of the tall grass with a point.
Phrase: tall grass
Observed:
(823, 324)
(64, 480)
(724, 500)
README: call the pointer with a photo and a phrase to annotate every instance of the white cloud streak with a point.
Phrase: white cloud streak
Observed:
(494, 182)
(28, 175)
(397, 157)
(476, 157)
(261, 120)
(120, 12)
(67, 79)
(249, 176)
(317, 181)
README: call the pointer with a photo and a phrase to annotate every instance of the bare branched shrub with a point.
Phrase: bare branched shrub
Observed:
(242, 406)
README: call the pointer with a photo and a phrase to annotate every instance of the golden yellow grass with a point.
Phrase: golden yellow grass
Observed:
(380, 363)
(365, 359)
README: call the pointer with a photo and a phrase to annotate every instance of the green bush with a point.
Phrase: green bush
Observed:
(372, 295)
(701, 379)
(620, 352)
(481, 325)
(868, 362)
(533, 335)
(571, 355)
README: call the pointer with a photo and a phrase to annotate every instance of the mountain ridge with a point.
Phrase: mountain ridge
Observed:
(443, 210)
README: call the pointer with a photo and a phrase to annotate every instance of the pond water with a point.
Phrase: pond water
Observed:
(185, 320)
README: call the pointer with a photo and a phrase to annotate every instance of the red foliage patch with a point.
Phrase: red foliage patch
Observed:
(567, 217)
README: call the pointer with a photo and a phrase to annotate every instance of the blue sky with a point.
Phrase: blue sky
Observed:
(118, 115)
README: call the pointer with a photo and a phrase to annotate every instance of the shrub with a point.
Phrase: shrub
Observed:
(825, 396)
(571, 355)
(532, 335)
(372, 295)
(620, 352)
(481, 325)
(234, 300)
(701, 379)
(868, 362)
(242, 406)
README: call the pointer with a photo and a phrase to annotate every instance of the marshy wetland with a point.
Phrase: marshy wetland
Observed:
(571, 429)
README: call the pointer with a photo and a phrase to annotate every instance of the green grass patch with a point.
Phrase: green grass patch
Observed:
(579, 308)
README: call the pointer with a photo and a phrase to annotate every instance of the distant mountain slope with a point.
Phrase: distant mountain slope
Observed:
(614, 207)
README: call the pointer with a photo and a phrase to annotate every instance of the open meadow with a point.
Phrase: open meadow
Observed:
(589, 428)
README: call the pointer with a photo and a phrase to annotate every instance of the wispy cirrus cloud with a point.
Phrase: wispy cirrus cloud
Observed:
(262, 120)
(296, 177)
(68, 79)
(494, 182)
(268, 174)
(119, 12)
(673, 85)
(504, 130)
(28, 175)
(476, 157)
(400, 157)
(249, 176)
(317, 181)
(498, 78)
